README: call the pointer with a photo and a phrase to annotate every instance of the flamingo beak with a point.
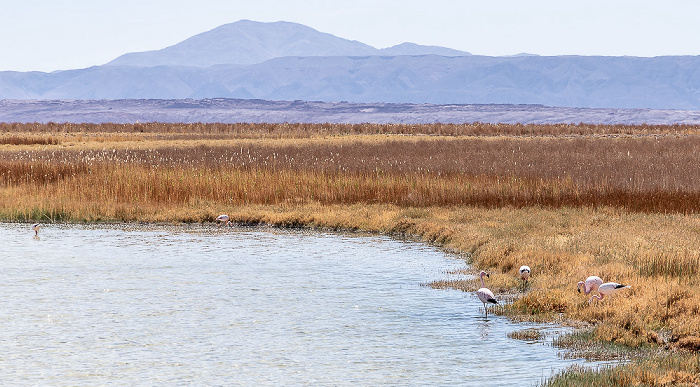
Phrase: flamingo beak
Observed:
(579, 290)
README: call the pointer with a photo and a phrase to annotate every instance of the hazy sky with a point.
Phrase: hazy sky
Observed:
(49, 35)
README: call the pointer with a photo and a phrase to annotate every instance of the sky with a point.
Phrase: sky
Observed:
(48, 35)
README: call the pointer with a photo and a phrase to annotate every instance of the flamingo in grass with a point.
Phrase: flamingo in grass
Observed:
(590, 285)
(524, 272)
(484, 294)
(607, 289)
(35, 227)
(223, 218)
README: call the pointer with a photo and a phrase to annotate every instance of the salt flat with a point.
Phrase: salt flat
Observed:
(226, 110)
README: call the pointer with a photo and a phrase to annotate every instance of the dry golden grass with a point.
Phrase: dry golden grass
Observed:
(664, 370)
(417, 171)
(527, 335)
(569, 201)
(303, 130)
(29, 140)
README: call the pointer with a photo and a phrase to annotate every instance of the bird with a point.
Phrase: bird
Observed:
(484, 294)
(524, 272)
(35, 227)
(591, 285)
(223, 218)
(607, 288)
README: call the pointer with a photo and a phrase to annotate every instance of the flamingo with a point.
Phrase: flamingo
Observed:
(524, 272)
(223, 218)
(35, 227)
(591, 285)
(608, 288)
(484, 294)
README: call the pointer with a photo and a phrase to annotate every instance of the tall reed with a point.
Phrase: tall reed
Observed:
(550, 172)
(302, 130)
(568, 200)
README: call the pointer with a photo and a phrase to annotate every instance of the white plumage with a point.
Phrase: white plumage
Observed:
(607, 289)
(524, 272)
(484, 294)
(590, 285)
(223, 218)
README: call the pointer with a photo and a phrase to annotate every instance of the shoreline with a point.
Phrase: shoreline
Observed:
(567, 207)
(455, 308)
(591, 350)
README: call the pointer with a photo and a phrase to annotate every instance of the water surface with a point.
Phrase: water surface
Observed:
(207, 305)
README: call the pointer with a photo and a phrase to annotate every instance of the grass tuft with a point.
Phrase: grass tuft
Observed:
(527, 335)
(567, 200)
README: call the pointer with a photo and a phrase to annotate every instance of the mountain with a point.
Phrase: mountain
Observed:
(571, 81)
(249, 42)
(288, 61)
(417, 49)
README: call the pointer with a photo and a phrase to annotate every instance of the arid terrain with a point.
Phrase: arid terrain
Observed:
(227, 110)
(618, 201)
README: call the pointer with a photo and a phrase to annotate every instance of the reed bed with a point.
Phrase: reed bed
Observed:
(122, 182)
(638, 174)
(619, 202)
(305, 130)
(29, 140)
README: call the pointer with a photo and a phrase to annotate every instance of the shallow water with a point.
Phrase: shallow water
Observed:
(201, 305)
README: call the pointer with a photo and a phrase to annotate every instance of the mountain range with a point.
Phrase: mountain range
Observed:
(289, 61)
(248, 42)
(227, 110)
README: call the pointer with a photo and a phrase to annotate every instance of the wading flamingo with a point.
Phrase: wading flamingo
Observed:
(607, 289)
(484, 294)
(591, 285)
(35, 227)
(524, 272)
(223, 219)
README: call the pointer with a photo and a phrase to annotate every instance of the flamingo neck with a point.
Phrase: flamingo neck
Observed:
(482, 281)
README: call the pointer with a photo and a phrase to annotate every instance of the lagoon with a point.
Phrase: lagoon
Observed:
(205, 305)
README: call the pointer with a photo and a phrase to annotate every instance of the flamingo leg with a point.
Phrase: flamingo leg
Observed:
(597, 296)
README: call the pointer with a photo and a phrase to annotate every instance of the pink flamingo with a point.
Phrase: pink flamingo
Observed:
(35, 227)
(591, 285)
(524, 272)
(484, 294)
(223, 218)
(606, 289)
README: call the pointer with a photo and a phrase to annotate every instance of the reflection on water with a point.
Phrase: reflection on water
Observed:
(92, 305)
(484, 328)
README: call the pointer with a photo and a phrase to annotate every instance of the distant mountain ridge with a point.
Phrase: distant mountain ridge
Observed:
(287, 61)
(249, 42)
(255, 110)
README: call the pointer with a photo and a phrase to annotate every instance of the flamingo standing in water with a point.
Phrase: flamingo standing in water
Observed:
(524, 272)
(223, 218)
(484, 294)
(591, 285)
(35, 227)
(606, 289)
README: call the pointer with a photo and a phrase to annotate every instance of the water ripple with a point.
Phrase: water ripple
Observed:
(129, 304)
